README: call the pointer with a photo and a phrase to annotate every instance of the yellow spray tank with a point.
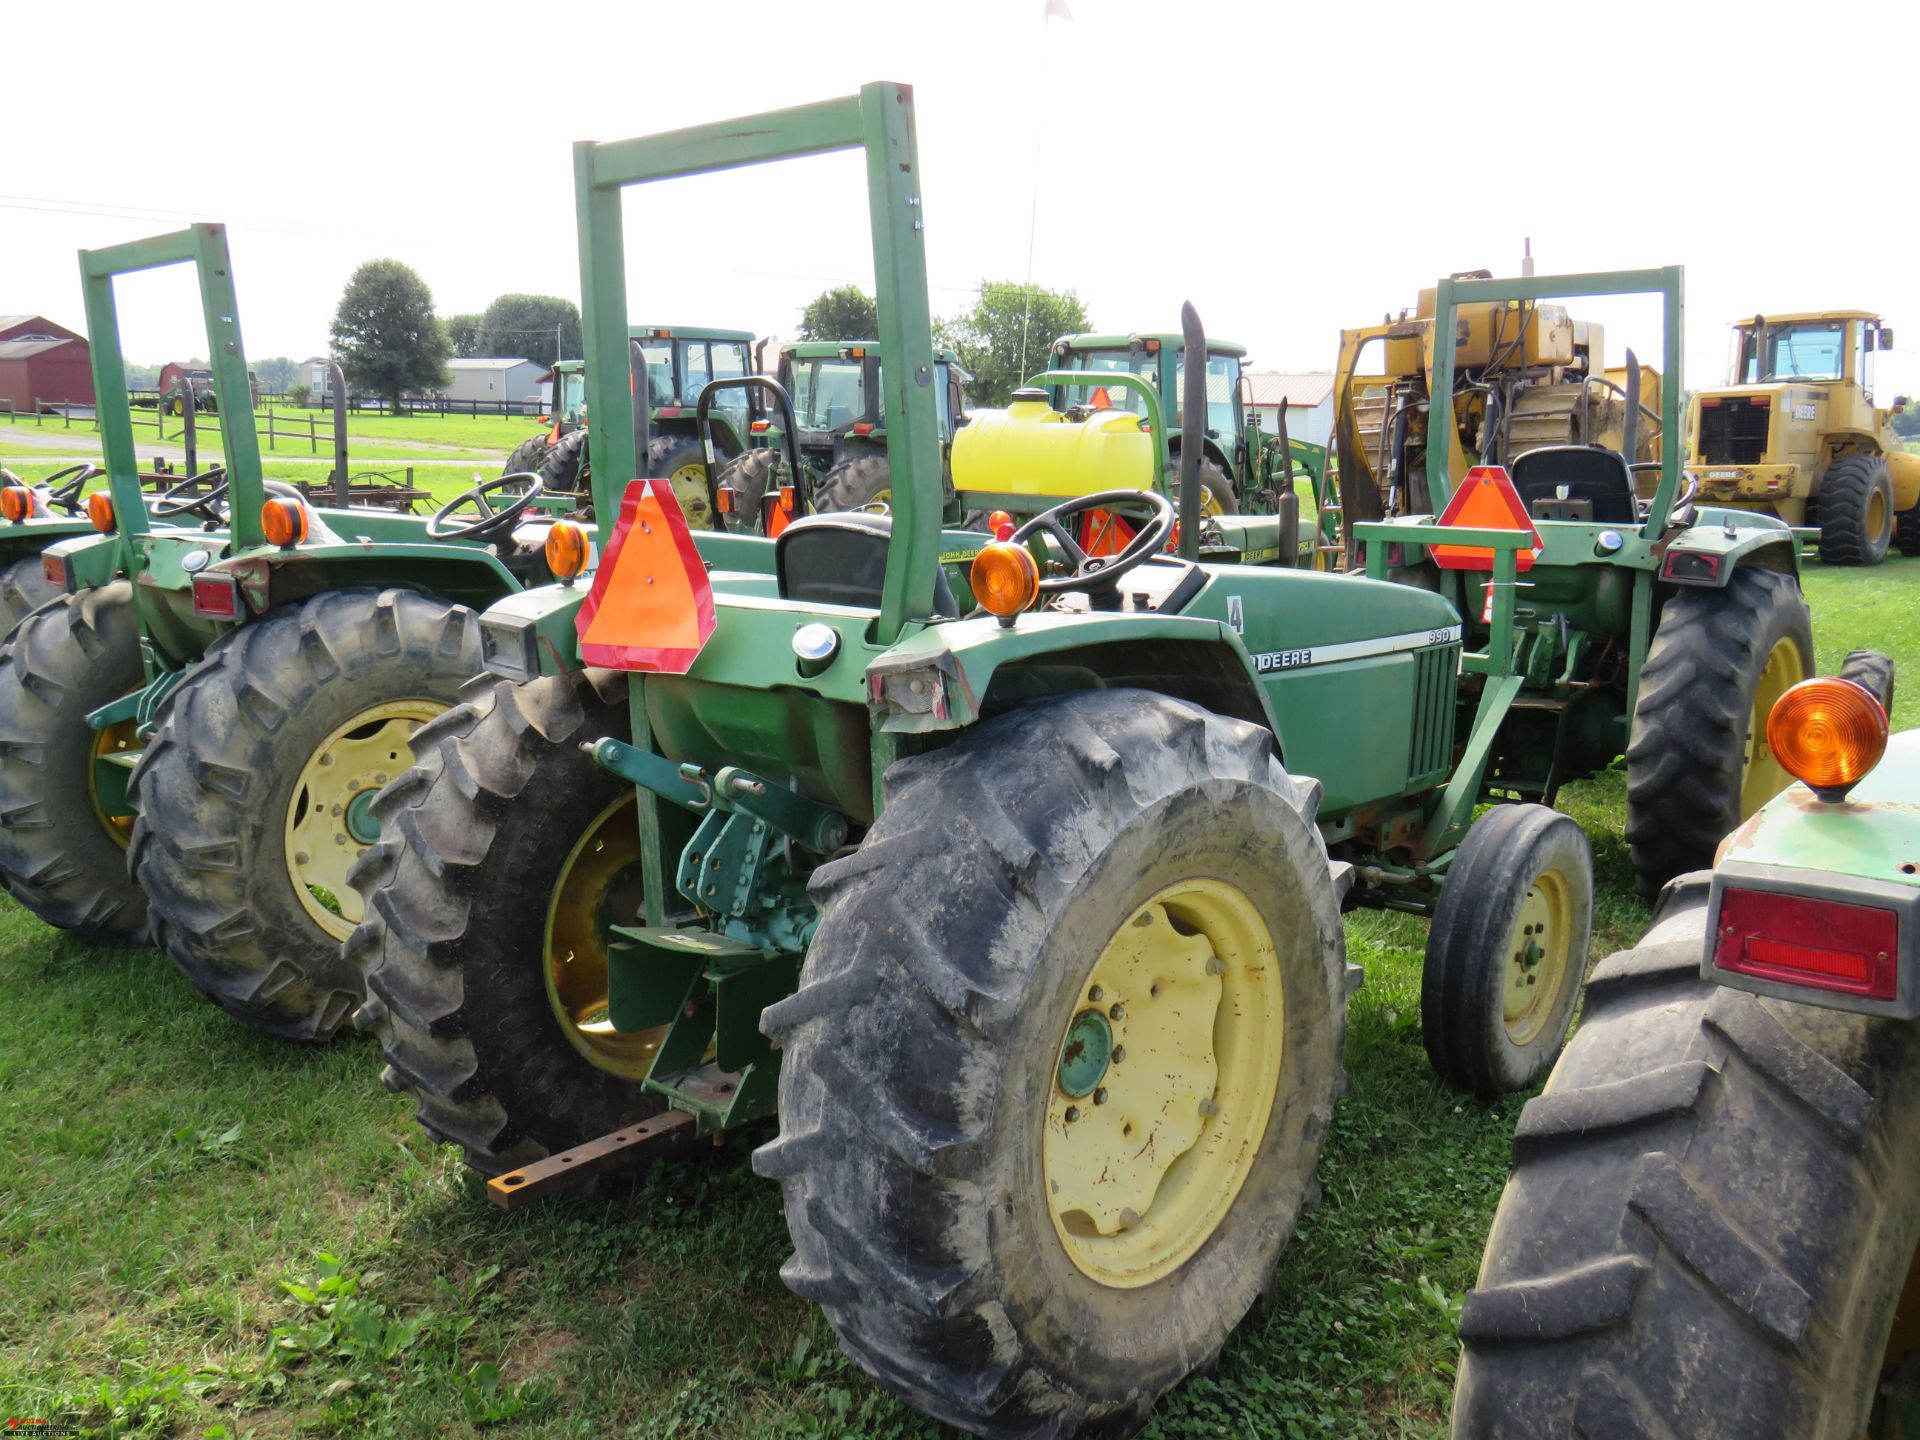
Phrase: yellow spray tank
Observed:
(1031, 450)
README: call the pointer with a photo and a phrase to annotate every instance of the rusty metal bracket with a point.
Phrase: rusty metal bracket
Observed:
(625, 1149)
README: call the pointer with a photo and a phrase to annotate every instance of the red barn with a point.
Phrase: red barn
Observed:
(42, 363)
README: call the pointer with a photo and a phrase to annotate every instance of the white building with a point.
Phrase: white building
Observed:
(1307, 395)
(493, 380)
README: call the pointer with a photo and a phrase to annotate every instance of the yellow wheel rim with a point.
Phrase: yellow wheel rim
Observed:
(1877, 515)
(112, 740)
(599, 884)
(329, 822)
(880, 502)
(1761, 776)
(689, 485)
(1539, 948)
(1164, 1083)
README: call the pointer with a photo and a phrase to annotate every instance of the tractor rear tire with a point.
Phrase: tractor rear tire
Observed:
(1856, 511)
(1705, 690)
(856, 481)
(59, 856)
(1710, 1219)
(683, 462)
(24, 588)
(1216, 489)
(924, 1061)
(1517, 862)
(475, 841)
(748, 473)
(564, 467)
(1906, 531)
(528, 456)
(242, 754)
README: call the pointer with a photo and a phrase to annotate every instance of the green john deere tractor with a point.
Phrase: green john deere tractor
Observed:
(1712, 1225)
(840, 406)
(192, 732)
(677, 362)
(1009, 876)
(34, 514)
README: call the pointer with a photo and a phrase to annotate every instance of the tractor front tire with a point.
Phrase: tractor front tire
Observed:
(1711, 1216)
(1697, 758)
(24, 588)
(1081, 877)
(1856, 511)
(856, 481)
(252, 794)
(1507, 951)
(61, 855)
(478, 841)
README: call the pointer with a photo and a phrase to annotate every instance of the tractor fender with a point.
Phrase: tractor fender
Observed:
(1733, 538)
(952, 675)
(467, 574)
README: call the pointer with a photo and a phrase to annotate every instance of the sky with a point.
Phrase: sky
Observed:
(1291, 169)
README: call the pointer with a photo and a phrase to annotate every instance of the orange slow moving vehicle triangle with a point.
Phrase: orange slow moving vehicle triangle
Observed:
(1486, 500)
(651, 605)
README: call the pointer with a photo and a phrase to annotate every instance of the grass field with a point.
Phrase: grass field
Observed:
(407, 437)
(204, 1233)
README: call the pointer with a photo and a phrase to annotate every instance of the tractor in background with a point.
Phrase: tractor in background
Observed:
(192, 731)
(839, 408)
(35, 514)
(1524, 375)
(1795, 433)
(676, 363)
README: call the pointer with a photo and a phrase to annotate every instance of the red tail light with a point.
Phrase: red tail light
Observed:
(216, 597)
(54, 567)
(760, 427)
(1763, 400)
(864, 427)
(1818, 944)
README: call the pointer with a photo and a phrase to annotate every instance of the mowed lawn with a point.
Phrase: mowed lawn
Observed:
(206, 1233)
(369, 437)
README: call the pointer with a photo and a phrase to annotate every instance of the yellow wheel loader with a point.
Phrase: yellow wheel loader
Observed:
(1795, 433)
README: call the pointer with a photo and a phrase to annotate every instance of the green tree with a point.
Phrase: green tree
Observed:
(1906, 422)
(540, 328)
(845, 312)
(274, 374)
(385, 334)
(1004, 338)
(464, 332)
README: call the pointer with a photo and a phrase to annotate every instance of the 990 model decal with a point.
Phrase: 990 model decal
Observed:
(1269, 661)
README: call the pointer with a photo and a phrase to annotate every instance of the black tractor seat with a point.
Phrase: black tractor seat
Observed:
(840, 558)
(1576, 482)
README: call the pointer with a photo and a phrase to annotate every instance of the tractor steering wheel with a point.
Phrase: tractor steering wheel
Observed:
(173, 503)
(491, 522)
(1093, 573)
(67, 495)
